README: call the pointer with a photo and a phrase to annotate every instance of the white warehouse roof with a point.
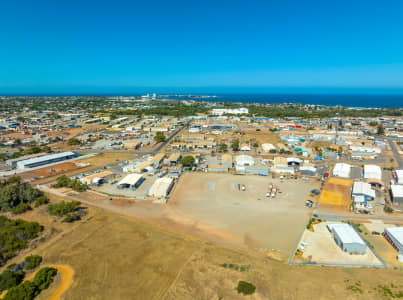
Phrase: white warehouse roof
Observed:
(397, 190)
(372, 171)
(44, 158)
(160, 187)
(242, 160)
(342, 170)
(397, 234)
(399, 176)
(363, 188)
(346, 233)
(267, 147)
(130, 179)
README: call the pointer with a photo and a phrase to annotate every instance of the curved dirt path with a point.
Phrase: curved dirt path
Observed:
(67, 274)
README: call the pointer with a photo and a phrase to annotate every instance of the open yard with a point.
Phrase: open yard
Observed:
(117, 257)
(248, 216)
(336, 193)
(321, 246)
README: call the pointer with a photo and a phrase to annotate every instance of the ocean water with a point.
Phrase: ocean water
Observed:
(370, 101)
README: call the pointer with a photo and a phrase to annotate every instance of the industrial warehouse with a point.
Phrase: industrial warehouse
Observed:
(347, 238)
(45, 160)
(394, 235)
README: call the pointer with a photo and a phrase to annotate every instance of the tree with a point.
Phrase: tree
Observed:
(235, 145)
(33, 261)
(380, 130)
(223, 147)
(373, 123)
(187, 161)
(159, 137)
(73, 142)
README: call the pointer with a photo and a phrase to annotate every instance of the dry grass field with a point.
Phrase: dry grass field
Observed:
(118, 257)
(336, 192)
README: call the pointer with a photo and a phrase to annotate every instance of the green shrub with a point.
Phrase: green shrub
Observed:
(21, 208)
(44, 278)
(62, 208)
(33, 261)
(9, 279)
(245, 288)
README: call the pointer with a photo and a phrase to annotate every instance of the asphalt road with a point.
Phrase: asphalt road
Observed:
(332, 216)
(396, 154)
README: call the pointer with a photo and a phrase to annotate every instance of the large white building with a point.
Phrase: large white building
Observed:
(347, 238)
(372, 171)
(45, 160)
(161, 187)
(395, 236)
(230, 111)
(399, 176)
(342, 170)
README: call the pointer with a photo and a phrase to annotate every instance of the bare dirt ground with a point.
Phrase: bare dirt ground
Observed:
(51, 171)
(118, 257)
(260, 222)
(323, 249)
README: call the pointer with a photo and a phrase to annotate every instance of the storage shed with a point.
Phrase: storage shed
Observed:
(347, 238)
(307, 171)
(394, 235)
(342, 170)
(161, 187)
(131, 181)
(372, 171)
(397, 193)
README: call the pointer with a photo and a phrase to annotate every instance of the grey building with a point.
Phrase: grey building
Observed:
(396, 192)
(347, 238)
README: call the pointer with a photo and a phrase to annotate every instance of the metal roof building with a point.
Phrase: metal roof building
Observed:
(397, 193)
(347, 238)
(45, 159)
(399, 176)
(131, 180)
(161, 187)
(363, 189)
(372, 171)
(342, 170)
(395, 236)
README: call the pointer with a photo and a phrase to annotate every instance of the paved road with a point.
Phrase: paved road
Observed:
(332, 216)
(395, 151)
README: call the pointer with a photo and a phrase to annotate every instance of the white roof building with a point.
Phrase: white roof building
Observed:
(342, 170)
(395, 235)
(363, 188)
(347, 238)
(372, 171)
(244, 160)
(161, 187)
(267, 147)
(399, 176)
(130, 179)
(232, 111)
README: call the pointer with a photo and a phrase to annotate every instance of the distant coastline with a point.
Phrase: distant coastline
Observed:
(345, 100)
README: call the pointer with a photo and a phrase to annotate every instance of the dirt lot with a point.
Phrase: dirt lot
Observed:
(336, 193)
(382, 246)
(116, 257)
(54, 170)
(215, 201)
(322, 247)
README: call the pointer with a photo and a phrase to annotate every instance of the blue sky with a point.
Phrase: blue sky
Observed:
(101, 46)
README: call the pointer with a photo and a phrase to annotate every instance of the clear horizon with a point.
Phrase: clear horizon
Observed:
(103, 47)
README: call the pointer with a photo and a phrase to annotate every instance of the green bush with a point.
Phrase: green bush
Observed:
(28, 290)
(33, 261)
(24, 291)
(62, 208)
(9, 279)
(16, 196)
(245, 288)
(44, 278)
(15, 235)
(64, 181)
